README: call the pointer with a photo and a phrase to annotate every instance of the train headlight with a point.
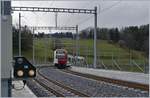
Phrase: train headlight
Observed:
(20, 73)
(31, 73)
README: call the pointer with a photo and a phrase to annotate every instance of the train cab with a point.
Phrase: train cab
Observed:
(60, 58)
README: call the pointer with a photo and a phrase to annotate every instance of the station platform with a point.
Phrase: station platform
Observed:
(119, 75)
(25, 92)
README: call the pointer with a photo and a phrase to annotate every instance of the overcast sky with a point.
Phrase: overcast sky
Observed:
(111, 13)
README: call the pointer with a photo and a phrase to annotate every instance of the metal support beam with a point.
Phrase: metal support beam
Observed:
(45, 50)
(19, 34)
(46, 28)
(50, 28)
(56, 14)
(77, 43)
(60, 10)
(95, 37)
(33, 48)
(66, 10)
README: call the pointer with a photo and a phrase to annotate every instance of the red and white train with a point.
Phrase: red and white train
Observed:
(60, 58)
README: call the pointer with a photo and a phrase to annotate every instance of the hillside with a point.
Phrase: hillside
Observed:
(111, 55)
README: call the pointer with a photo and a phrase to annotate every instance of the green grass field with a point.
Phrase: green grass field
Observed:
(106, 53)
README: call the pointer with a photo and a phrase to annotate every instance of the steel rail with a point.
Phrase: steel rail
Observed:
(76, 92)
(48, 88)
(40, 87)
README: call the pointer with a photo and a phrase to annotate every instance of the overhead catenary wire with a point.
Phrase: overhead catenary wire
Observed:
(100, 11)
(68, 20)
(25, 20)
(51, 4)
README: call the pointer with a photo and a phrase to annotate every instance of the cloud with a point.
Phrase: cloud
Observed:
(122, 14)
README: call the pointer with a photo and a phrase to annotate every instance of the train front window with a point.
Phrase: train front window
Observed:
(60, 56)
(60, 52)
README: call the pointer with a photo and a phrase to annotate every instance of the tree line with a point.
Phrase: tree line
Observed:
(26, 39)
(133, 37)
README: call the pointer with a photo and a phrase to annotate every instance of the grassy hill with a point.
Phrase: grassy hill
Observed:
(111, 55)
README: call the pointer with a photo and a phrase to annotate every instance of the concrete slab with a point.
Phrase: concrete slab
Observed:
(25, 92)
(121, 75)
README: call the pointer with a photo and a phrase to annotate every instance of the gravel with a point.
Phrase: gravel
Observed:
(38, 90)
(92, 87)
(55, 87)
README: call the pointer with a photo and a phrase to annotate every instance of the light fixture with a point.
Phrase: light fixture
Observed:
(20, 73)
(20, 61)
(31, 73)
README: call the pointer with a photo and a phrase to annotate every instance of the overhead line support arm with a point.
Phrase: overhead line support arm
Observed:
(60, 10)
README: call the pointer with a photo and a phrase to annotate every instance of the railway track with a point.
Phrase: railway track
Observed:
(110, 80)
(57, 88)
(73, 85)
(38, 89)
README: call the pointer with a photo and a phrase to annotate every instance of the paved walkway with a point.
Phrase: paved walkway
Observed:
(121, 75)
(25, 92)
